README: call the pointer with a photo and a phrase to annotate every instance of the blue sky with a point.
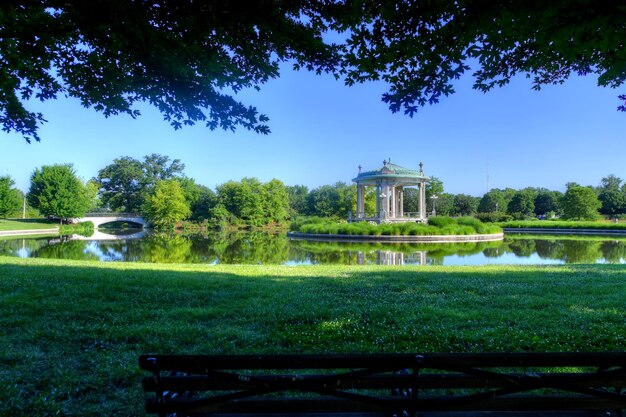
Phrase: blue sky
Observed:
(321, 132)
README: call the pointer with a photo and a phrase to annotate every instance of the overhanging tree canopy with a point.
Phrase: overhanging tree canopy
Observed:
(189, 58)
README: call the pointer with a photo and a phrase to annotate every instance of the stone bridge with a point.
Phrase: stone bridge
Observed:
(98, 219)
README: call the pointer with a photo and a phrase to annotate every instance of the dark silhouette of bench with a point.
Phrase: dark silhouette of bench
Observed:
(442, 385)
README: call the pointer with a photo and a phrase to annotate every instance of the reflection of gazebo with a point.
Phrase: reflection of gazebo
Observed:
(390, 181)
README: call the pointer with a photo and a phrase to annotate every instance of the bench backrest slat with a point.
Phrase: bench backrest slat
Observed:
(333, 385)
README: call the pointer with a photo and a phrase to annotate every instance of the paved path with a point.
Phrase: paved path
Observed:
(53, 231)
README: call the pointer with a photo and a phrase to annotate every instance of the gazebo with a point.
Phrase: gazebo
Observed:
(390, 181)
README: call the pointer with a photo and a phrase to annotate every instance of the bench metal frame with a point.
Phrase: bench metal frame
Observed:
(485, 384)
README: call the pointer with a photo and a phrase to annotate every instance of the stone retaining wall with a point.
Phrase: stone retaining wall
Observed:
(558, 231)
(415, 239)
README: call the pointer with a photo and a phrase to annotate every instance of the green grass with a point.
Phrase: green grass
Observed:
(561, 224)
(26, 224)
(436, 226)
(72, 331)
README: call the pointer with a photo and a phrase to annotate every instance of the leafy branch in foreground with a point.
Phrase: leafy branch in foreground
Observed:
(189, 59)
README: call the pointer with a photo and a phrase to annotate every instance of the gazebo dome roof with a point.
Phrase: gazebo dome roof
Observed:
(390, 170)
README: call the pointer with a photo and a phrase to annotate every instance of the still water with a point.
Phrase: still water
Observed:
(261, 248)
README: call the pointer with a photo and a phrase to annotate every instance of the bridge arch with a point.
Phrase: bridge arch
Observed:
(98, 219)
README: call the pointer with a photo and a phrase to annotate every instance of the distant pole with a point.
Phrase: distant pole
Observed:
(24, 207)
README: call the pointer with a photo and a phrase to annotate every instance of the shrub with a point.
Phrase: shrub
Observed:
(494, 217)
(83, 229)
(470, 221)
(441, 221)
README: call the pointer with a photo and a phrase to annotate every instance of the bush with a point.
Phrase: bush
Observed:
(441, 221)
(84, 229)
(470, 221)
(494, 217)
(438, 226)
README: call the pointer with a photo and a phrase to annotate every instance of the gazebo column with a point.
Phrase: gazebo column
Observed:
(422, 190)
(378, 202)
(360, 204)
(392, 201)
(401, 201)
(385, 201)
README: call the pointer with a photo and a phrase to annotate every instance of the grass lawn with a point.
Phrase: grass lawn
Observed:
(71, 331)
(27, 224)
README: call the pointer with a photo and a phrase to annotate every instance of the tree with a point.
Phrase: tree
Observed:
(158, 167)
(547, 202)
(200, 198)
(420, 48)
(445, 204)
(580, 203)
(298, 198)
(612, 202)
(276, 201)
(201, 209)
(56, 191)
(434, 187)
(179, 56)
(91, 191)
(166, 205)
(126, 182)
(251, 203)
(610, 182)
(465, 205)
(492, 202)
(522, 204)
(347, 199)
(121, 185)
(613, 199)
(410, 200)
(10, 197)
(183, 57)
(324, 201)
(334, 200)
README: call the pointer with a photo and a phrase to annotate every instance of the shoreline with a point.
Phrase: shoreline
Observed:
(563, 231)
(395, 238)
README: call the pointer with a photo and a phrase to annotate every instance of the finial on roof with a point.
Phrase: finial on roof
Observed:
(422, 168)
(384, 162)
(389, 160)
(359, 168)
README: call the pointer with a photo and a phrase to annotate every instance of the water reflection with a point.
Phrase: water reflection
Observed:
(261, 248)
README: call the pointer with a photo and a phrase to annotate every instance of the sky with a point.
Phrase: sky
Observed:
(322, 131)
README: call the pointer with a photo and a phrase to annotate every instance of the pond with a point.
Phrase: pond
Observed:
(261, 248)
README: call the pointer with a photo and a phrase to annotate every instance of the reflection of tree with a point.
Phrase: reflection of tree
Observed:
(251, 248)
(64, 248)
(613, 251)
(568, 250)
(257, 247)
(550, 249)
(493, 252)
(581, 251)
(523, 247)
(349, 253)
(12, 247)
(167, 248)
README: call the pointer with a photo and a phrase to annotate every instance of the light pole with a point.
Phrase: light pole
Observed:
(434, 198)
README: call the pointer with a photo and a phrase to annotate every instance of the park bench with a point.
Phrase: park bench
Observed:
(443, 385)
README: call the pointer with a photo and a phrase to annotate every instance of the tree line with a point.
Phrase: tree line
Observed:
(157, 188)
